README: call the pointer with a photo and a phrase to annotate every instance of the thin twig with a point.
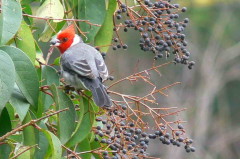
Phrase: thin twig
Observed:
(28, 148)
(76, 20)
(50, 51)
(135, 74)
(32, 122)
(72, 152)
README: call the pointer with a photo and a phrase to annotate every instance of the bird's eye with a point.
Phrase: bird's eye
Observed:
(65, 39)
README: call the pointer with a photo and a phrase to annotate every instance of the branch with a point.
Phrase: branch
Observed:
(72, 152)
(75, 20)
(32, 122)
(28, 148)
(138, 73)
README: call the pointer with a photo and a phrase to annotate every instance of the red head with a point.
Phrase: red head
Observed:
(65, 39)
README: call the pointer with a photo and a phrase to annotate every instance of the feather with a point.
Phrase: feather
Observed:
(100, 96)
(83, 66)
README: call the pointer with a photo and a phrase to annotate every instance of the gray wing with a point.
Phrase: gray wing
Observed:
(102, 69)
(79, 67)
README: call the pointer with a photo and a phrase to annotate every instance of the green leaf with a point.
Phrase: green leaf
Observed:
(19, 103)
(10, 19)
(46, 35)
(38, 49)
(74, 4)
(49, 76)
(51, 9)
(74, 139)
(7, 78)
(95, 145)
(95, 12)
(11, 113)
(95, 107)
(25, 41)
(91, 137)
(27, 10)
(43, 144)
(84, 124)
(5, 121)
(26, 75)
(66, 120)
(29, 138)
(57, 61)
(60, 25)
(84, 146)
(5, 151)
(24, 2)
(16, 138)
(55, 149)
(105, 34)
(39, 55)
(25, 155)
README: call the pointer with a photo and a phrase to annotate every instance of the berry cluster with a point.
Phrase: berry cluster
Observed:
(122, 133)
(122, 130)
(161, 31)
(126, 138)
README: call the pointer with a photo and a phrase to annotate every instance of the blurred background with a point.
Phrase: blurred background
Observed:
(210, 91)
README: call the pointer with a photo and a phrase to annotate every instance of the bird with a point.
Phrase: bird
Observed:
(81, 65)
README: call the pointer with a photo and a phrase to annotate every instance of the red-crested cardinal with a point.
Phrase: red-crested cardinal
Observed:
(82, 66)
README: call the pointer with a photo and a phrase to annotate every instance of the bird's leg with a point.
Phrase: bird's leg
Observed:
(81, 92)
(45, 89)
(63, 81)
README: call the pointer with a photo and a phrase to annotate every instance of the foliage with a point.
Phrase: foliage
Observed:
(44, 118)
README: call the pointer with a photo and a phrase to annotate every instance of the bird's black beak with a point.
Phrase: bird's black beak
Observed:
(55, 42)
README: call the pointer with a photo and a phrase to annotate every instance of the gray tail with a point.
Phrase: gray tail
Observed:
(99, 93)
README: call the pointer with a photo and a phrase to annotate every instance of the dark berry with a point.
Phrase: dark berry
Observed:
(192, 149)
(186, 20)
(138, 131)
(161, 138)
(123, 5)
(103, 141)
(119, 46)
(188, 149)
(177, 133)
(140, 29)
(145, 35)
(105, 153)
(125, 46)
(144, 134)
(124, 107)
(184, 9)
(167, 135)
(119, 16)
(146, 2)
(119, 11)
(131, 124)
(124, 10)
(103, 54)
(114, 48)
(180, 139)
(180, 126)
